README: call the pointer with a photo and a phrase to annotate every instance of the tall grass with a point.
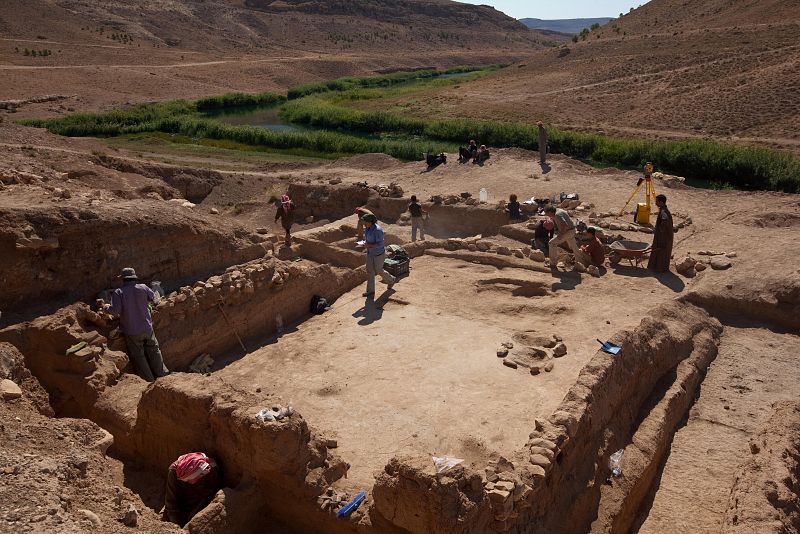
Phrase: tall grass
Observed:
(321, 142)
(350, 131)
(386, 80)
(230, 100)
(742, 166)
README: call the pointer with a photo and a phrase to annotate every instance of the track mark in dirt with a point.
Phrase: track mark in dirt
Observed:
(518, 288)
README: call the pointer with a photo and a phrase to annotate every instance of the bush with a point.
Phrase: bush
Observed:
(238, 100)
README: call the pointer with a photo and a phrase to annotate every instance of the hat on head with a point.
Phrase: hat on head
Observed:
(128, 273)
(368, 217)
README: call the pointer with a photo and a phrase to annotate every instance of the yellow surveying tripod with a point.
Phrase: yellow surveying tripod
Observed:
(642, 215)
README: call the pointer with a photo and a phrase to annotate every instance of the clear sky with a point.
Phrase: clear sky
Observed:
(560, 9)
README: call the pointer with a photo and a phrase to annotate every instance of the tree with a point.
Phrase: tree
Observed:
(595, 26)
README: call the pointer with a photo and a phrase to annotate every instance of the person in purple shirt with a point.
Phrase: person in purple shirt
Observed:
(376, 254)
(131, 303)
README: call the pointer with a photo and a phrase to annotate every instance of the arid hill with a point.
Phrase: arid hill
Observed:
(727, 69)
(110, 53)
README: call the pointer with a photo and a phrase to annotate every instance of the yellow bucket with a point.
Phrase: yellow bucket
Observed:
(642, 213)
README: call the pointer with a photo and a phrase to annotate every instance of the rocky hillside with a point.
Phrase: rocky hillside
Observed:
(728, 69)
(238, 26)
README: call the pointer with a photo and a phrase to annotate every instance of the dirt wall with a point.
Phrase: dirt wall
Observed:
(766, 493)
(330, 202)
(554, 484)
(49, 258)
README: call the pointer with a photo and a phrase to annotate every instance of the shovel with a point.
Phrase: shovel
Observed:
(609, 347)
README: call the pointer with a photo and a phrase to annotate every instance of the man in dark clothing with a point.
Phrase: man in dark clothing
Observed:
(542, 235)
(481, 155)
(466, 154)
(542, 143)
(192, 481)
(514, 209)
(131, 303)
(417, 222)
(663, 237)
(285, 213)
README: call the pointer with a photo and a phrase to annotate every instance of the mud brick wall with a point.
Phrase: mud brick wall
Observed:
(190, 322)
(553, 485)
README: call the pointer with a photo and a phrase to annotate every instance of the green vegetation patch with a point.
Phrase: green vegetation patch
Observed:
(341, 130)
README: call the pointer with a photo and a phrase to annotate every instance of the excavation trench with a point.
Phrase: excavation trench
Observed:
(547, 468)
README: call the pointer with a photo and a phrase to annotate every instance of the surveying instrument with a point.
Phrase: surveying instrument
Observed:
(642, 214)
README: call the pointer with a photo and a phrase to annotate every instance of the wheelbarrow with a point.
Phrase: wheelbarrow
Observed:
(633, 251)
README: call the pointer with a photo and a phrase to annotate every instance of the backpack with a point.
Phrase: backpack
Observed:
(318, 305)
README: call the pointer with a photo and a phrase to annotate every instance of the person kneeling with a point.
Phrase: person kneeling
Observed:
(192, 481)
(592, 251)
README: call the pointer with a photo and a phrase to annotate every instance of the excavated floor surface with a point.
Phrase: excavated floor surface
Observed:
(754, 369)
(422, 375)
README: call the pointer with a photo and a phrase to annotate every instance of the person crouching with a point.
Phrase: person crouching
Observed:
(192, 481)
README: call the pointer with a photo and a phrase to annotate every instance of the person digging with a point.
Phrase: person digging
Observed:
(376, 254)
(192, 481)
(131, 303)
(565, 229)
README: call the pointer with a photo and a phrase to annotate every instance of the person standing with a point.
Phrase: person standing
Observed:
(542, 143)
(192, 481)
(566, 234)
(131, 303)
(417, 221)
(663, 238)
(285, 213)
(376, 254)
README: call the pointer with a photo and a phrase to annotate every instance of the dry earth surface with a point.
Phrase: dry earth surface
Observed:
(381, 385)
(670, 69)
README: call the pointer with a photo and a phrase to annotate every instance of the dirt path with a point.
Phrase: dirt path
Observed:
(754, 368)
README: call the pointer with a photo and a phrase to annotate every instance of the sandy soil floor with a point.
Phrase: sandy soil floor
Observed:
(753, 369)
(416, 370)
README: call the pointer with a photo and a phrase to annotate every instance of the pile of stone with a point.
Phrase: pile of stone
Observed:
(690, 266)
(506, 491)
(393, 190)
(538, 356)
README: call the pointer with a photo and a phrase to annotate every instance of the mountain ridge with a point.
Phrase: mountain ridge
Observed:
(570, 26)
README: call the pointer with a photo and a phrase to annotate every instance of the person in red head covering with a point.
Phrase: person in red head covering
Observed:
(285, 213)
(192, 481)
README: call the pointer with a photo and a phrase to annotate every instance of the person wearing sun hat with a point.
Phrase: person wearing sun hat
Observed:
(376, 253)
(192, 481)
(131, 303)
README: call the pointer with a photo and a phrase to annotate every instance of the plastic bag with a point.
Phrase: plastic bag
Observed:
(614, 462)
(265, 415)
(444, 464)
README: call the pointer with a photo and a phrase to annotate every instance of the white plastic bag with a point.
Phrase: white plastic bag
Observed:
(265, 415)
(614, 462)
(443, 464)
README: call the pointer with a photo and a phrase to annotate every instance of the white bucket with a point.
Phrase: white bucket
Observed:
(483, 195)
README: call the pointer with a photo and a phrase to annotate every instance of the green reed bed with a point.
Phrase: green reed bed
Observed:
(386, 80)
(707, 161)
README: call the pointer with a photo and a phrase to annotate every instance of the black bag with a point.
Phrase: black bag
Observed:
(319, 305)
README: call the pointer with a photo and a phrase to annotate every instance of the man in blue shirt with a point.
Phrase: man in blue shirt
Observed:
(376, 254)
(131, 303)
